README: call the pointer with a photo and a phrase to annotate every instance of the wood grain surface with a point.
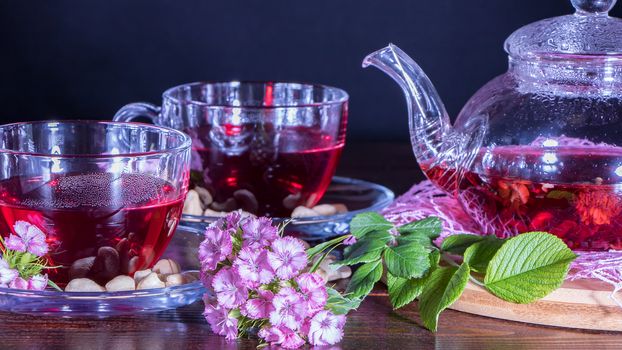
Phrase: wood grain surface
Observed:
(374, 326)
(583, 304)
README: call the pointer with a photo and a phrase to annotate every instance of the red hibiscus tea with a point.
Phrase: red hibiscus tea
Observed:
(572, 192)
(278, 171)
(263, 147)
(98, 225)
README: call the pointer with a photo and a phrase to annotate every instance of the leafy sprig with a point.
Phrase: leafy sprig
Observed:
(521, 269)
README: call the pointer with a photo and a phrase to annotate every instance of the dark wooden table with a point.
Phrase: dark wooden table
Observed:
(373, 326)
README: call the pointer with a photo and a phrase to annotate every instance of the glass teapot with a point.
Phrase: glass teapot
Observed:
(538, 148)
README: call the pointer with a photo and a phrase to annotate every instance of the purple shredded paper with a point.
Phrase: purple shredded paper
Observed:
(424, 199)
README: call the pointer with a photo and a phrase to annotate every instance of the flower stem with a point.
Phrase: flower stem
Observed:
(449, 260)
(476, 281)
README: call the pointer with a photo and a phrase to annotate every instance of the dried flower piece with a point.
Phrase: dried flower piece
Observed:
(597, 207)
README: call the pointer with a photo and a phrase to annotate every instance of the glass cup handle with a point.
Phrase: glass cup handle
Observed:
(135, 110)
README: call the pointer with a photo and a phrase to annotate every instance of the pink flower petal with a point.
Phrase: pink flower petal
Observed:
(288, 257)
(259, 306)
(326, 328)
(286, 338)
(18, 283)
(253, 268)
(32, 239)
(38, 248)
(21, 227)
(220, 321)
(229, 288)
(292, 340)
(272, 335)
(38, 282)
(15, 243)
(258, 232)
(313, 290)
(232, 220)
(290, 309)
(215, 247)
(7, 274)
(310, 281)
(350, 240)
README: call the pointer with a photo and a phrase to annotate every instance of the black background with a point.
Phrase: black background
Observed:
(85, 59)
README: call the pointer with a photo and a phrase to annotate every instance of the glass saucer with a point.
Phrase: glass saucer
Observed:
(358, 195)
(183, 249)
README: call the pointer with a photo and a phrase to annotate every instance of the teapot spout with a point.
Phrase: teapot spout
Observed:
(435, 142)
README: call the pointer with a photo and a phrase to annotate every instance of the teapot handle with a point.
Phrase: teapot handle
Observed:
(135, 110)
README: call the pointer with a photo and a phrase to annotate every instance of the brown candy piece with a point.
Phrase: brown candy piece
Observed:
(81, 267)
(123, 247)
(132, 265)
(204, 195)
(229, 205)
(246, 200)
(291, 201)
(106, 265)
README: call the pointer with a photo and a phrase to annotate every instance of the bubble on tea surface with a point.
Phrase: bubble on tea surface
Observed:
(98, 190)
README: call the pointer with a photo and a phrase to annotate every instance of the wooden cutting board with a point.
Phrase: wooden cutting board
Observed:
(584, 304)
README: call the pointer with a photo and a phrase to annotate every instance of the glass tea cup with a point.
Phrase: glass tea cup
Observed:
(108, 196)
(263, 147)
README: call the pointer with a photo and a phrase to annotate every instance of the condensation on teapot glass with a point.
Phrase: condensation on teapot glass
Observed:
(575, 55)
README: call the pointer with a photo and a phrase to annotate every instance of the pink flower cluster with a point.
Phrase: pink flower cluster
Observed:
(28, 238)
(259, 283)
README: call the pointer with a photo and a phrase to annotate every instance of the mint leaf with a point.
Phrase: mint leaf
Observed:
(528, 267)
(457, 244)
(366, 250)
(479, 254)
(417, 238)
(368, 222)
(364, 278)
(407, 261)
(340, 304)
(403, 291)
(430, 227)
(444, 287)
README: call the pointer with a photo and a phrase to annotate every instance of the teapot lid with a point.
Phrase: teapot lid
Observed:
(589, 32)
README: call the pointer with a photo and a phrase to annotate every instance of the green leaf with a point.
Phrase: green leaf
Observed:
(457, 244)
(407, 261)
(430, 227)
(365, 250)
(339, 304)
(403, 291)
(368, 222)
(417, 238)
(443, 288)
(528, 267)
(479, 254)
(364, 278)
